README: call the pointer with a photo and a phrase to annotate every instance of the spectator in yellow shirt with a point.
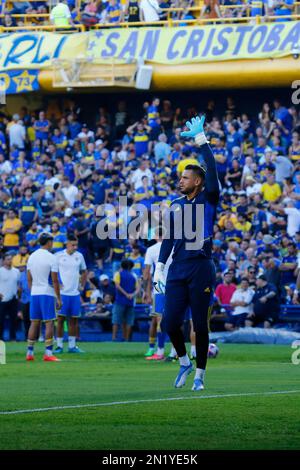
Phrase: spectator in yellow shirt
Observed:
(243, 224)
(271, 190)
(10, 230)
(227, 216)
(185, 161)
(20, 260)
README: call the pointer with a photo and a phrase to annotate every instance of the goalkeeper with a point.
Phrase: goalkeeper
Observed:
(191, 275)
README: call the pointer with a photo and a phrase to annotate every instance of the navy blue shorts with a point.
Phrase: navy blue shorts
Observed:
(237, 320)
(189, 284)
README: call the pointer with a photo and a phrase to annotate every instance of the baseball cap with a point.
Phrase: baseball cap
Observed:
(262, 276)
(104, 277)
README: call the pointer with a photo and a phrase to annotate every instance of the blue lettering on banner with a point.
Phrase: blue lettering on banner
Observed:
(273, 38)
(223, 41)
(242, 30)
(150, 44)
(13, 56)
(208, 42)
(37, 59)
(193, 43)
(292, 37)
(59, 47)
(112, 47)
(171, 54)
(260, 33)
(130, 46)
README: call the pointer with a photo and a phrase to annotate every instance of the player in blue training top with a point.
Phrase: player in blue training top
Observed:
(191, 276)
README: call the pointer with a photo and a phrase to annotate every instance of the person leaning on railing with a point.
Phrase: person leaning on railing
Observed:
(149, 10)
(90, 14)
(211, 9)
(132, 11)
(60, 15)
(283, 8)
(8, 21)
(113, 13)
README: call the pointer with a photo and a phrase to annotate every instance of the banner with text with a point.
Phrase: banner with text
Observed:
(196, 44)
(161, 45)
(37, 50)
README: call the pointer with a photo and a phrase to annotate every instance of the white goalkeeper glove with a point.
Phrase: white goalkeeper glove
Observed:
(159, 278)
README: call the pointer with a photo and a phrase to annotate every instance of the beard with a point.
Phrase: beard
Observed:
(186, 191)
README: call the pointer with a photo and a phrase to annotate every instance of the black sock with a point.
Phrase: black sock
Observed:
(177, 339)
(202, 341)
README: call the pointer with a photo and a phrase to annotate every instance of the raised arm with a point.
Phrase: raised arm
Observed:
(196, 131)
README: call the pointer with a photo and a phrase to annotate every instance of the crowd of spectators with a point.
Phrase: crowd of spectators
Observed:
(55, 170)
(91, 12)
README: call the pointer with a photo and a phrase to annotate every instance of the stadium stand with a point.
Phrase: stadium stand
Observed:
(34, 15)
(73, 164)
(258, 159)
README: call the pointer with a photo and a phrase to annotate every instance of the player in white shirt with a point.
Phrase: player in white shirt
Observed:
(42, 274)
(158, 303)
(73, 273)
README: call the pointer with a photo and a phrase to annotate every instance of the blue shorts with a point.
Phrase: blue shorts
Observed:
(42, 307)
(71, 306)
(122, 314)
(158, 304)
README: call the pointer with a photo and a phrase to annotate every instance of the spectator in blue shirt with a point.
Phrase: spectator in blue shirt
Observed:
(283, 8)
(74, 126)
(233, 138)
(42, 128)
(162, 149)
(28, 211)
(289, 265)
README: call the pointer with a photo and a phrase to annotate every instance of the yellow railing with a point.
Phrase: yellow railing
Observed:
(197, 21)
(79, 28)
(200, 21)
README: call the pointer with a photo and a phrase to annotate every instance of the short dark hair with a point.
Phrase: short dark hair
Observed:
(45, 238)
(72, 238)
(199, 170)
(127, 264)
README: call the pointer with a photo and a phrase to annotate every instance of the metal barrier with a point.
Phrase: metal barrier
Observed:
(169, 22)
(78, 28)
(81, 73)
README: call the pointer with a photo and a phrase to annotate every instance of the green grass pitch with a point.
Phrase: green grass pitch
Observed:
(242, 411)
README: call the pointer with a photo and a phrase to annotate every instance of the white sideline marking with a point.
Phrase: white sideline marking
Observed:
(135, 402)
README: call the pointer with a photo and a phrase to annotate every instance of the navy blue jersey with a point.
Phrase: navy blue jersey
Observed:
(200, 216)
